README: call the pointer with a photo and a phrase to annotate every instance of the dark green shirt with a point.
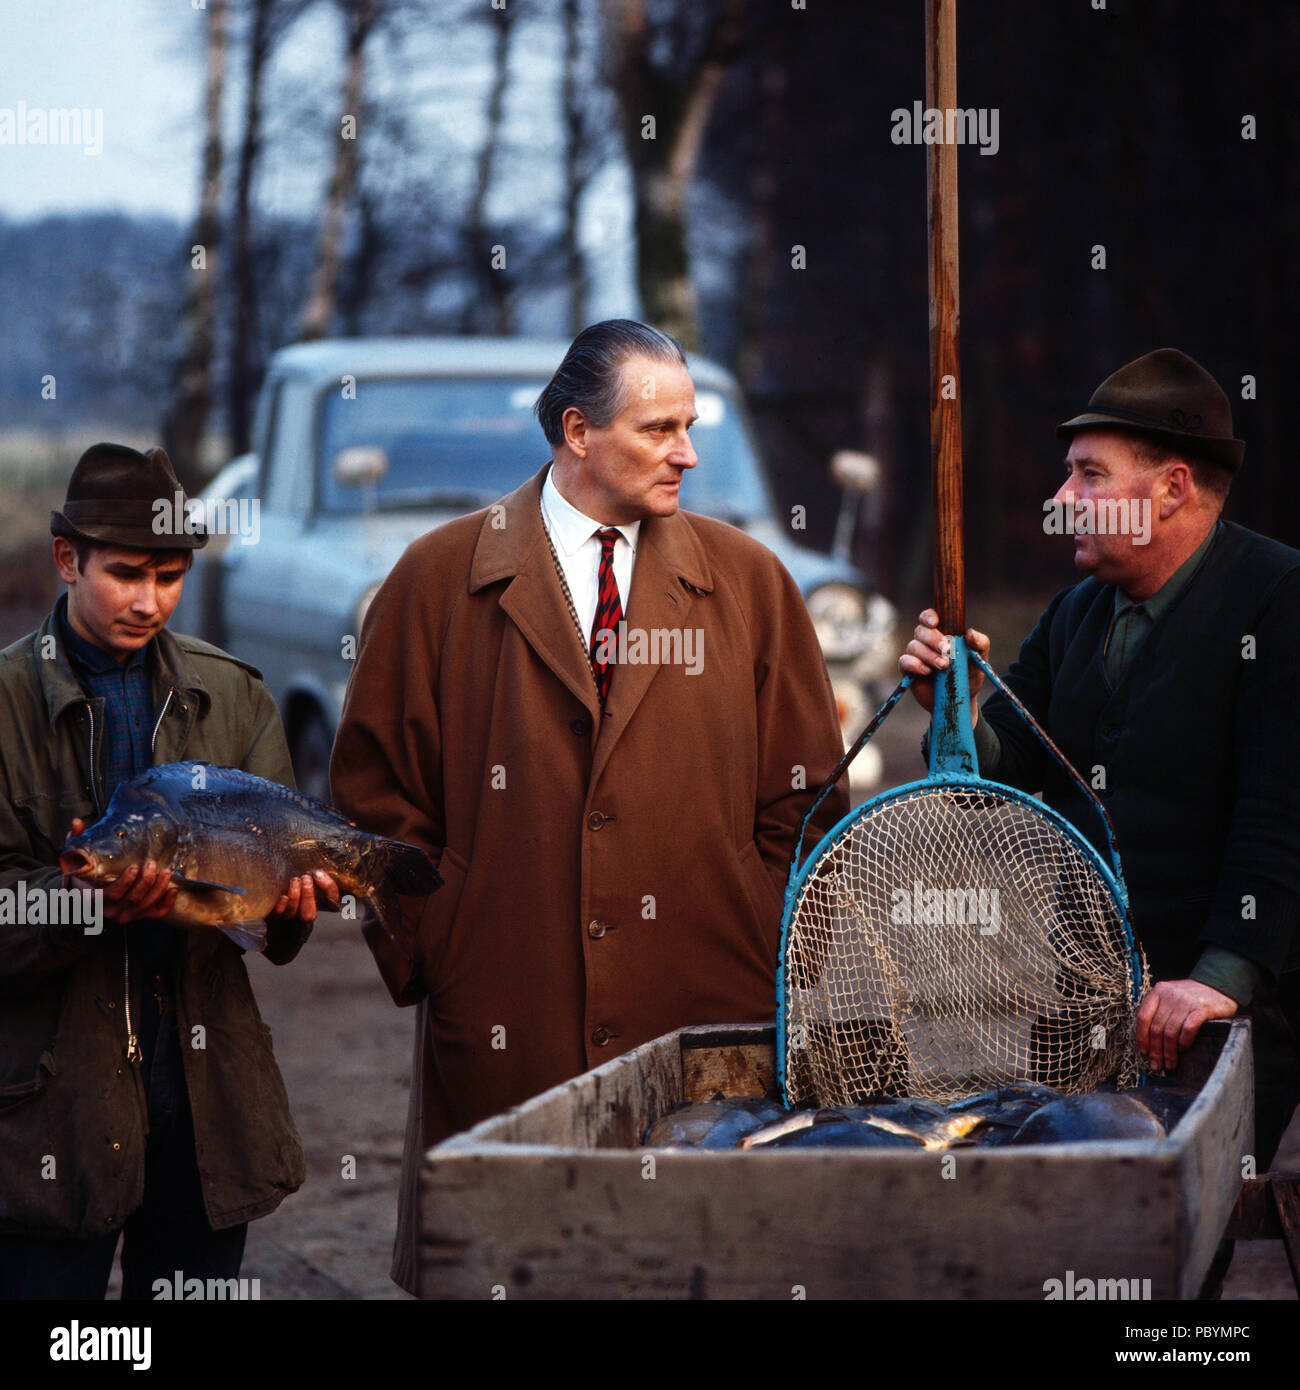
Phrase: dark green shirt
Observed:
(1135, 618)
(1218, 967)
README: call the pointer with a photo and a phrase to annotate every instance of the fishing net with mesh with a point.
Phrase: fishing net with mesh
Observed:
(953, 935)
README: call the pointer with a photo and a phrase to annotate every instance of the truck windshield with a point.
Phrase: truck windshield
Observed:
(468, 441)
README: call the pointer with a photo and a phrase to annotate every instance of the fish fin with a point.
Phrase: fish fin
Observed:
(204, 883)
(249, 938)
(388, 912)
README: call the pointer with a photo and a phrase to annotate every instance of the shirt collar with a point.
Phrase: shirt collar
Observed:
(86, 656)
(1169, 590)
(572, 529)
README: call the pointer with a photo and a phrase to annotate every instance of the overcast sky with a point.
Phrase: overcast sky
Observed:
(133, 60)
(135, 69)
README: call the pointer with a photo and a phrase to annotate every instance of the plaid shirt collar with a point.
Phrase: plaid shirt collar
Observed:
(126, 689)
(87, 658)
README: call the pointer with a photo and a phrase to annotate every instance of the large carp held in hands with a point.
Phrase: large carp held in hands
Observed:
(233, 842)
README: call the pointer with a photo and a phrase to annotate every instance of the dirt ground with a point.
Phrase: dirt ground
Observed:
(345, 1053)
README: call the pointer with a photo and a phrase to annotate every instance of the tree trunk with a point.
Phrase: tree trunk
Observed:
(240, 383)
(186, 420)
(575, 177)
(492, 283)
(679, 100)
(356, 287)
(756, 280)
(322, 298)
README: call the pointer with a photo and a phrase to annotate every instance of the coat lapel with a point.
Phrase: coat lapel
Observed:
(670, 570)
(512, 545)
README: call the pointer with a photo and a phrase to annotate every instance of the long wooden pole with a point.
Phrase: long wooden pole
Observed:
(945, 322)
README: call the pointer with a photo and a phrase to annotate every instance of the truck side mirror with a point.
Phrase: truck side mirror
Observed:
(854, 471)
(359, 464)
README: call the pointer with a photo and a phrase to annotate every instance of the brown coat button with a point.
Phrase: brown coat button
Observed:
(595, 820)
(600, 1036)
(596, 929)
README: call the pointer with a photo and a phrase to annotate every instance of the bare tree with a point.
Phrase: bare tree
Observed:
(407, 268)
(491, 279)
(667, 72)
(576, 167)
(268, 19)
(322, 298)
(186, 419)
(773, 81)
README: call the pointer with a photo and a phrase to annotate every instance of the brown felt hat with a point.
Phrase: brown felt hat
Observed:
(119, 496)
(1165, 393)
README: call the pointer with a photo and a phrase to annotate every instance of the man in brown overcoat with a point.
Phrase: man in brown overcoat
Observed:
(604, 718)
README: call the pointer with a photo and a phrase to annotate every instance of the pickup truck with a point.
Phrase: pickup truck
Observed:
(362, 445)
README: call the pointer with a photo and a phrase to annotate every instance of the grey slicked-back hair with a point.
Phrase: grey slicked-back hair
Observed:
(589, 378)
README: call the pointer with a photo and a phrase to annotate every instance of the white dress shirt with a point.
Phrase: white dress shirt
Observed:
(574, 536)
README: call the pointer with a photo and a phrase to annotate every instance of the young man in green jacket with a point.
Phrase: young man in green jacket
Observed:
(138, 1090)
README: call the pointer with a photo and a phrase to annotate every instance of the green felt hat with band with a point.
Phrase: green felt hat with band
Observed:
(1167, 394)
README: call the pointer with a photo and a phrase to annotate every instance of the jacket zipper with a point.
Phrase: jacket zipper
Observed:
(133, 1053)
(95, 788)
(153, 738)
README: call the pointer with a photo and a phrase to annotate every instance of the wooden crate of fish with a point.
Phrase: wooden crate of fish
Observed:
(557, 1198)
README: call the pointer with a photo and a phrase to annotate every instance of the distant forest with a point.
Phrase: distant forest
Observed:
(1165, 132)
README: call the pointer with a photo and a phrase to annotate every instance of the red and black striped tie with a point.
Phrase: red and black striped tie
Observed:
(609, 613)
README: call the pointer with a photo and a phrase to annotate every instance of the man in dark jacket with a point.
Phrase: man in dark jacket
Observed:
(138, 1091)
(1168, 677)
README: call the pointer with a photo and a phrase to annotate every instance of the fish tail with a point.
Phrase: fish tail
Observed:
(404, 868)
(388, 868)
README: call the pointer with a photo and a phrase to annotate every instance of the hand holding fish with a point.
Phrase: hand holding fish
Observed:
(299, 899)
(927, 653)
(144, 890)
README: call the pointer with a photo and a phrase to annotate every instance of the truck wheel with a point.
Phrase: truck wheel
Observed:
(311, 756)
